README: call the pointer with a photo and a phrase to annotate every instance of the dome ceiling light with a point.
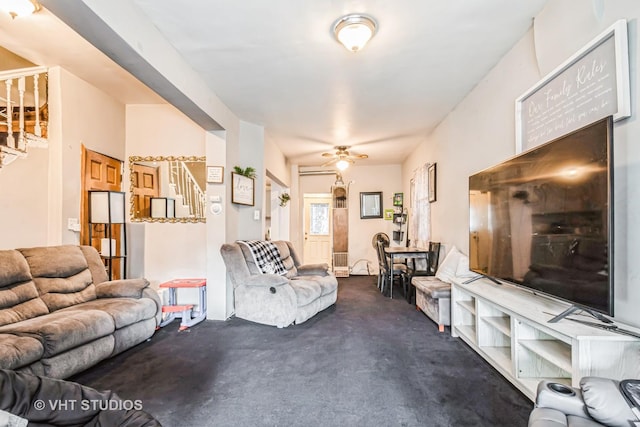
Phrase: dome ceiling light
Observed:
(354, 31)
(20, 7)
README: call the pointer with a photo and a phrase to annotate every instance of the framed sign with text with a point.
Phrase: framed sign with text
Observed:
(591, 85)
(215, 174)
(242, 189)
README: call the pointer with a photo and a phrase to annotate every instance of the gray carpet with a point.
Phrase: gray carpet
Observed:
(367, 361)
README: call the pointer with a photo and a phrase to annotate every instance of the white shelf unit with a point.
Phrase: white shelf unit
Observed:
(508, 326)
(464, 312)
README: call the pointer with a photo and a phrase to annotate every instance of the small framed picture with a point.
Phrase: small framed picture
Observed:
(371, 204)
(398, 199)
(388, 214)
(215, 174)
(432, 183)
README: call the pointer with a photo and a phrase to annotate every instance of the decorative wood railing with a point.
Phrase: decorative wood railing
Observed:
(21, 124)
(185, 185)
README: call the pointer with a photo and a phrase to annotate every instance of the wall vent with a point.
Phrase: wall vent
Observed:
(341, 264)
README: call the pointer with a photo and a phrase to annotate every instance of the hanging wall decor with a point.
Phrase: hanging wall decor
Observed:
(432, 182)
(242, 189)
(590, 85)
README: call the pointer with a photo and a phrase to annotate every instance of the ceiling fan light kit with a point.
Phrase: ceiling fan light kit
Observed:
(342, 158)
(354, 31)
(342, 164)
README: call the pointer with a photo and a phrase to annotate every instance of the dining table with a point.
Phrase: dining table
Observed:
(403, 252)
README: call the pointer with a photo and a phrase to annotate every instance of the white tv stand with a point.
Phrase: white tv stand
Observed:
(508, 327)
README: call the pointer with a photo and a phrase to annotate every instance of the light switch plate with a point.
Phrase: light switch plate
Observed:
(73, 224)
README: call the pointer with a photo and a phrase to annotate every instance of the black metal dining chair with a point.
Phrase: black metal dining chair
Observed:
(384, 238)
(399, 271)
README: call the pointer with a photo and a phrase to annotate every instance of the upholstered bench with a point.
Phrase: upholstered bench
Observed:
(433, 297)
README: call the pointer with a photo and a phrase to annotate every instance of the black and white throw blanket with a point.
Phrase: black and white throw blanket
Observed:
(266, 256)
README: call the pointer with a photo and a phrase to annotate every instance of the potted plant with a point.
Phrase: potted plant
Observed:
(249, 172)
(284, 199)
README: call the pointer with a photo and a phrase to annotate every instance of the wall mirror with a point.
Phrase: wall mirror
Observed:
(371, 205)
(168, 189)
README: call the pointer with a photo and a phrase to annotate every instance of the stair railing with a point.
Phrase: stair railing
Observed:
(186, 186)
(18, 147)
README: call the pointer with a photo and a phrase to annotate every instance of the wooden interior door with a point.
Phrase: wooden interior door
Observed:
(100, 172)
(144, 180)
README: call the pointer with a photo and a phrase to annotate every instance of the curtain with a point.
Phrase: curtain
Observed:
(420, 222)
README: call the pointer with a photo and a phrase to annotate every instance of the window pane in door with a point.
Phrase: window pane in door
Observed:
(319, 221)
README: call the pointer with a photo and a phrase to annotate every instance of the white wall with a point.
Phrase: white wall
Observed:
(276, 163)
(385, 178)
(11, 61)
(219, 292)
(252, 153)
(169, 250)
(91, 118)
(24, 201)
(45, 187)
(280, 215)
(480, 132)
(140, 34)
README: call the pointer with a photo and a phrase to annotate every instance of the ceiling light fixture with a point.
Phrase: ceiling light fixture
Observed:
(354, 31)
(342, 164)
(20, 7)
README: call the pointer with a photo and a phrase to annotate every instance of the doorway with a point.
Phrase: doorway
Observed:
(318, 229)
(276, 214)
(144, 187)
(100, 172)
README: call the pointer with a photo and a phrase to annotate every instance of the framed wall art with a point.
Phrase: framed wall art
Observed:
(215, 174)
(432, 182)
(371, 205)
(242, 189)
(591, 85)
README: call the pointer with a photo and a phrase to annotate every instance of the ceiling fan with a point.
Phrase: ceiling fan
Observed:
(342, 158)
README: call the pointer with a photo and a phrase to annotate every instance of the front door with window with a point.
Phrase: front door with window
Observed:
(317, 229)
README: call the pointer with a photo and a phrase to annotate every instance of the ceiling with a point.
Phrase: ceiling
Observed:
(276, 64)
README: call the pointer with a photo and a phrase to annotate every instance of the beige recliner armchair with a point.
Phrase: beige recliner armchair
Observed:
(598, 402)
(293, 296)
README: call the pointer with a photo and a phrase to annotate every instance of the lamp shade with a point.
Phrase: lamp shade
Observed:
(106, 207)
(342, 164)
(163, 207)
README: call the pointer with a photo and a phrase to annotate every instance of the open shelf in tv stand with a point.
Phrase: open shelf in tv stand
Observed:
(508, 327)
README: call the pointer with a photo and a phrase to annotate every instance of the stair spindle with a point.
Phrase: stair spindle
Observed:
(36, 95)
(22, 145)
(11, 142)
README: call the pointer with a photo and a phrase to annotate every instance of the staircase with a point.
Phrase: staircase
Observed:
(21, 112)
(189, 196)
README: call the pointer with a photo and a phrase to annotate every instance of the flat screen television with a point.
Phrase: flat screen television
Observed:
(543, 220)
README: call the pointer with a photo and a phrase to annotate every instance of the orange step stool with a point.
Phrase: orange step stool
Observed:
(185, 312)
